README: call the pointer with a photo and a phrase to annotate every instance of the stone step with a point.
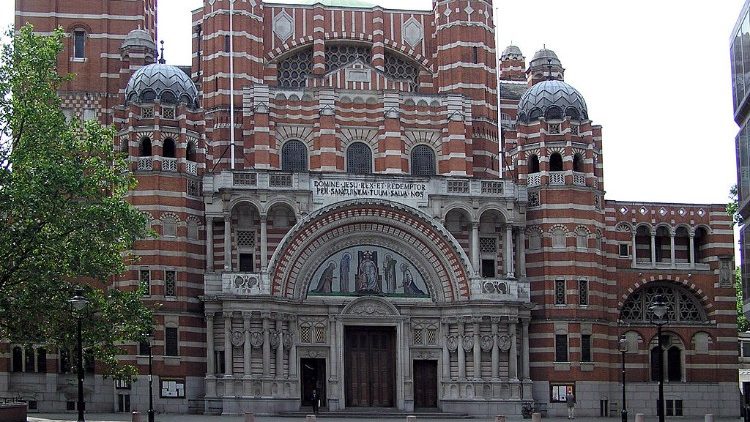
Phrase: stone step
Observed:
(368, 413)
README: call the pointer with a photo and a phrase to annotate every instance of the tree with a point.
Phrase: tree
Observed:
(742, 323)
(65, 218)
(732, 206)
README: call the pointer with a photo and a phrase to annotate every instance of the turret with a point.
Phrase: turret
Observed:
(543, 66)
(512, 64)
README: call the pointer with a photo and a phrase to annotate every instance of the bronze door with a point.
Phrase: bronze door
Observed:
(370, 366)
(425, 383)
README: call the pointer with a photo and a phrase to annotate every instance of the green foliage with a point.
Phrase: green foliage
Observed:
(732, 206)
(742, 323)
(65, 220)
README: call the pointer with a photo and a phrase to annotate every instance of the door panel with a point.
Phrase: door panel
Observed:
(425, 383)
(370, 366)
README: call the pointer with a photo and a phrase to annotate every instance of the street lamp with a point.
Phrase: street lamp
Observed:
(150, 338)
(622, 345)
(79, 302)
(659, 317)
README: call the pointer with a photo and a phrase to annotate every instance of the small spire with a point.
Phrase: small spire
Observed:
(161, 56)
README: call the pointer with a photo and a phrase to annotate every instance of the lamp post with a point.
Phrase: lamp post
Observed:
(623, 347)
(659, 317)
(150, 338)
(79, 302)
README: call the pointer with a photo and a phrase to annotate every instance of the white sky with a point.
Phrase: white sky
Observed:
(655, 75)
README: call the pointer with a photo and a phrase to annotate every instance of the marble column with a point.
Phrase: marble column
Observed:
(513, 352)
(210, 365)
(508, 253)
(653, 247)
(521, 253)
(248, 348)
(446, 353)
(210, 244)
(475, 248)
(263, 243)
(292, 348)
(266, 344)
(634, 249)
(477, 349)
(461, 352)
(525, 349)
(227, 242)
(280, 348)
(692, 250)
(495, 349)
(671, 248)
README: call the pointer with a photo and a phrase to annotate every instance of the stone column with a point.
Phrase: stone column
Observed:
(513, 352)
(525, 349)
(446, 352)
(263, 243)
(228, 344)
(228, 242)
(653, 248)
(210, 244)
(266, 344)
(461, 352)
(248, 348)
(477, 349)
(292, 348)
(692, 250)
(475, 248)
(521, 253)
(508, 253)
(210, 365)
(378, 38)
(280, 347)
(671, 248)
(495, 349)
(634, 249)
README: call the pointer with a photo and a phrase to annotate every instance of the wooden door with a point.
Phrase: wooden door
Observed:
(425, 383)
(370, 366)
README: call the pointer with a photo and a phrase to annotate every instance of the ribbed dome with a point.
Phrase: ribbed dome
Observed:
(511, 52)
(167, 83)
(545, 57)
(552, 100)
(139, 38)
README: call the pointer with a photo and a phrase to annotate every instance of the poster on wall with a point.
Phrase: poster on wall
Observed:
(363, 270)
(172, 388)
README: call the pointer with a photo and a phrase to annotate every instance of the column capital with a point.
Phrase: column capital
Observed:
(210, 315)
(513, 320)
(247, 315)
(227, 314)
(476, 320)
(265, 315)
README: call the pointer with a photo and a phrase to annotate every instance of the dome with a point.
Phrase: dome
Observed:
(139, 38)
(545, 57)
(511, 52)
(552, 99)
(164, 82)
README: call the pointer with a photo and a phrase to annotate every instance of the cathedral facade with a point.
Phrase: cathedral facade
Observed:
(373, 208)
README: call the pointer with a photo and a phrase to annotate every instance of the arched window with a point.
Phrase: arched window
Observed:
(293, 70)
(683, 306)
(169, 148)
(577, 162)
(534, 164)
(190, 151)
(701, 243)
(535, 240)
(144, 149)
(169, 226)
(422, 161)
(148, 95)
(554, 113)
(671, 364)
(168, 97)
(558, 238)
(79, 44)
(17, 359)
(572, 113)
(294, 156)
(555, 162)
(359, 159)
(582, 239)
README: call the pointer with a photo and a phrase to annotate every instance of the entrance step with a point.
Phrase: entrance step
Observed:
(368, 413)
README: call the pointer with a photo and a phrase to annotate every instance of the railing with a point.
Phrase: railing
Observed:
(168, 164)
(492, 187)
(245, 179)
(556, 178)
(579, 179)
(280, 180)
(458, 186)
(534, 179)
(191, 168)
(145, 163)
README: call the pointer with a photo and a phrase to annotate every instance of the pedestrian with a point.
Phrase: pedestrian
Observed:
(315, 400)
(570, 400)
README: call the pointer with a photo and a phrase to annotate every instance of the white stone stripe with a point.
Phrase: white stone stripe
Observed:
(77, 16)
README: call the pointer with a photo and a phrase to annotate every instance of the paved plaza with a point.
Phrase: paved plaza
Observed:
(123, 417)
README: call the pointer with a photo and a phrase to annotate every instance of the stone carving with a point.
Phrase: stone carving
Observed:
(468, 342)
(495, 287)
(503, 342)
(287, 339)
(256, 339)
(283, 26)
(452, 343)
(274, 338)
(486, 343)
(412, 32)
(238, 338)
(425, 354)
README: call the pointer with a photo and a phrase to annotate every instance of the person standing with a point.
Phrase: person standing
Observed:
(570, 400)
(315, 400)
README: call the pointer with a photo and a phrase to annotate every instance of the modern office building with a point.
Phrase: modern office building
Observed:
(340, 210)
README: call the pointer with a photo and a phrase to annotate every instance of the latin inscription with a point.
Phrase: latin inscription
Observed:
(347, 188)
